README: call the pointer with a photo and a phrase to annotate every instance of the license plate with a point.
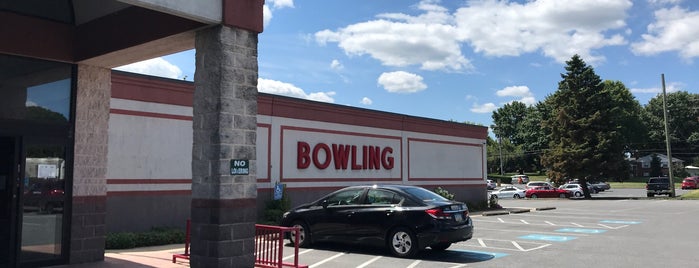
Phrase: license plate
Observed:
(458, 217)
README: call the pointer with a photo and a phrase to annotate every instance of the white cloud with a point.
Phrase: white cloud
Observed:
(366, 101)
(286, 89)
(522, 92)
(266, 15)
(675, 29)
(401, 40)
(483, 108)
(669, 88)
(401, 82)
(156, 67)
(433, 38)
(336, 65)
(558, 29)
(276, 4)
(281, 3)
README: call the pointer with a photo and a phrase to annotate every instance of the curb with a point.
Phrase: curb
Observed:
(544, 208)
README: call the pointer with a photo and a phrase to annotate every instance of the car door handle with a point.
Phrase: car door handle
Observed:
(349, 214)
(389, 212)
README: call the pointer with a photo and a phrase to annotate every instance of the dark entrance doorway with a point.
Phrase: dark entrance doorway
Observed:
(33, 201)
(36, 119)
(9, 194)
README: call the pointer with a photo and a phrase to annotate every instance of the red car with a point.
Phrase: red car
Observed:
(690, 183)
(546, 191)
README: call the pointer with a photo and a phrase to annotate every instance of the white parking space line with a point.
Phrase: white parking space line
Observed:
(501, 220)
(457, 266)
(614, 228)
(369, 262)
(514, 243)
(326, 260)
(511, 245)
(412, 265)
(554, 223)
(292, 255)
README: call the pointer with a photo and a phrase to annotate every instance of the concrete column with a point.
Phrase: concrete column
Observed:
(90, 164)
(225, 122)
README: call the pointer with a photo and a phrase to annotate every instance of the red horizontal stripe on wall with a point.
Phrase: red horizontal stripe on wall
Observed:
(148, 114)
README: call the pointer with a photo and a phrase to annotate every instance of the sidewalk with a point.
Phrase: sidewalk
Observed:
(160, 256)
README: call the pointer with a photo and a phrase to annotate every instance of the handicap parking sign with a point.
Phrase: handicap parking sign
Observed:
(278, 191)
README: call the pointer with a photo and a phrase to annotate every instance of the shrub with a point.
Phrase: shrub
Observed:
(443, 192)
(154, 237)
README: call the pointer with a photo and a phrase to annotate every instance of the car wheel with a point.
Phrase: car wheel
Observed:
(649, 195)
(671, 195)
(534, 196)
(440, 246)
(304, 234)
(516, 196)
(402, 243)
(562, 195)
(578, 194)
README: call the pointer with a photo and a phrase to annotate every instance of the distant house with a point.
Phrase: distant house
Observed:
(641, 166)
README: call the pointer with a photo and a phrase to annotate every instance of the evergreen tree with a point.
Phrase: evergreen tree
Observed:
(586, 140)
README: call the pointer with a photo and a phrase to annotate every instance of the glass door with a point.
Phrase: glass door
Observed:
(43, 201)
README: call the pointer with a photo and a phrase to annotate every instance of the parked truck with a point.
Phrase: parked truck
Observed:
(659, 185)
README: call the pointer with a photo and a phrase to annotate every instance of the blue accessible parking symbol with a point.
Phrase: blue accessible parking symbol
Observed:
(553, 238)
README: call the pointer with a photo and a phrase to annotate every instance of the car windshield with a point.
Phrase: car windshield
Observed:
(425, 195)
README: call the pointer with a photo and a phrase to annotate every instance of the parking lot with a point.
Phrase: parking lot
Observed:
(577, 233)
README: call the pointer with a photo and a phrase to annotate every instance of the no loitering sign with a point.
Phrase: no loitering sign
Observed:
(240, 167)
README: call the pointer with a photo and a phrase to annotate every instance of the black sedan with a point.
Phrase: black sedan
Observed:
(405, 219)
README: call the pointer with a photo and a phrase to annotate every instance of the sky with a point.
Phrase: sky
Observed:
(462, 60)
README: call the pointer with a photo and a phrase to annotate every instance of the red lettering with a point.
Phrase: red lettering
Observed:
(365, 157)
(328, 156)
(303, 160)
(341, 156)
(344, 155)
(374, 157)
(355, 166)
(386, 158)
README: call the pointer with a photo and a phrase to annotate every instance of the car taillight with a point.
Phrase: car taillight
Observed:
(438, 213)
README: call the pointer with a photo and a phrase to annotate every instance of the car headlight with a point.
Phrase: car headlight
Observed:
(286, 214)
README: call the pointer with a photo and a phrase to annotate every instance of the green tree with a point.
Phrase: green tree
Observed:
(656, 169)
(683, 124)
(508, 120)
(586, 139)
(534, 135)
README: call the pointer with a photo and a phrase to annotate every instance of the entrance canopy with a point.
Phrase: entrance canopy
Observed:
(110, 33)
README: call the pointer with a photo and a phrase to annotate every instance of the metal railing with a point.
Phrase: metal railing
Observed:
(269, 246)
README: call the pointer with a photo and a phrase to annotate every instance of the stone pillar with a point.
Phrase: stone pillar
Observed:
(225, 128)
(90, 164)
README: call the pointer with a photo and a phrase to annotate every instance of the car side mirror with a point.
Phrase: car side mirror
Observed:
(324, 203)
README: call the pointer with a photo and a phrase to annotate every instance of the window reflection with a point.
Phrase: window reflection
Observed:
(49, 102)
(44, 196)
(34, 90)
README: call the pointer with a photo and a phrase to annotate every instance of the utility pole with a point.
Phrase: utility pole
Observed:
(667, 140)
(500, 149)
